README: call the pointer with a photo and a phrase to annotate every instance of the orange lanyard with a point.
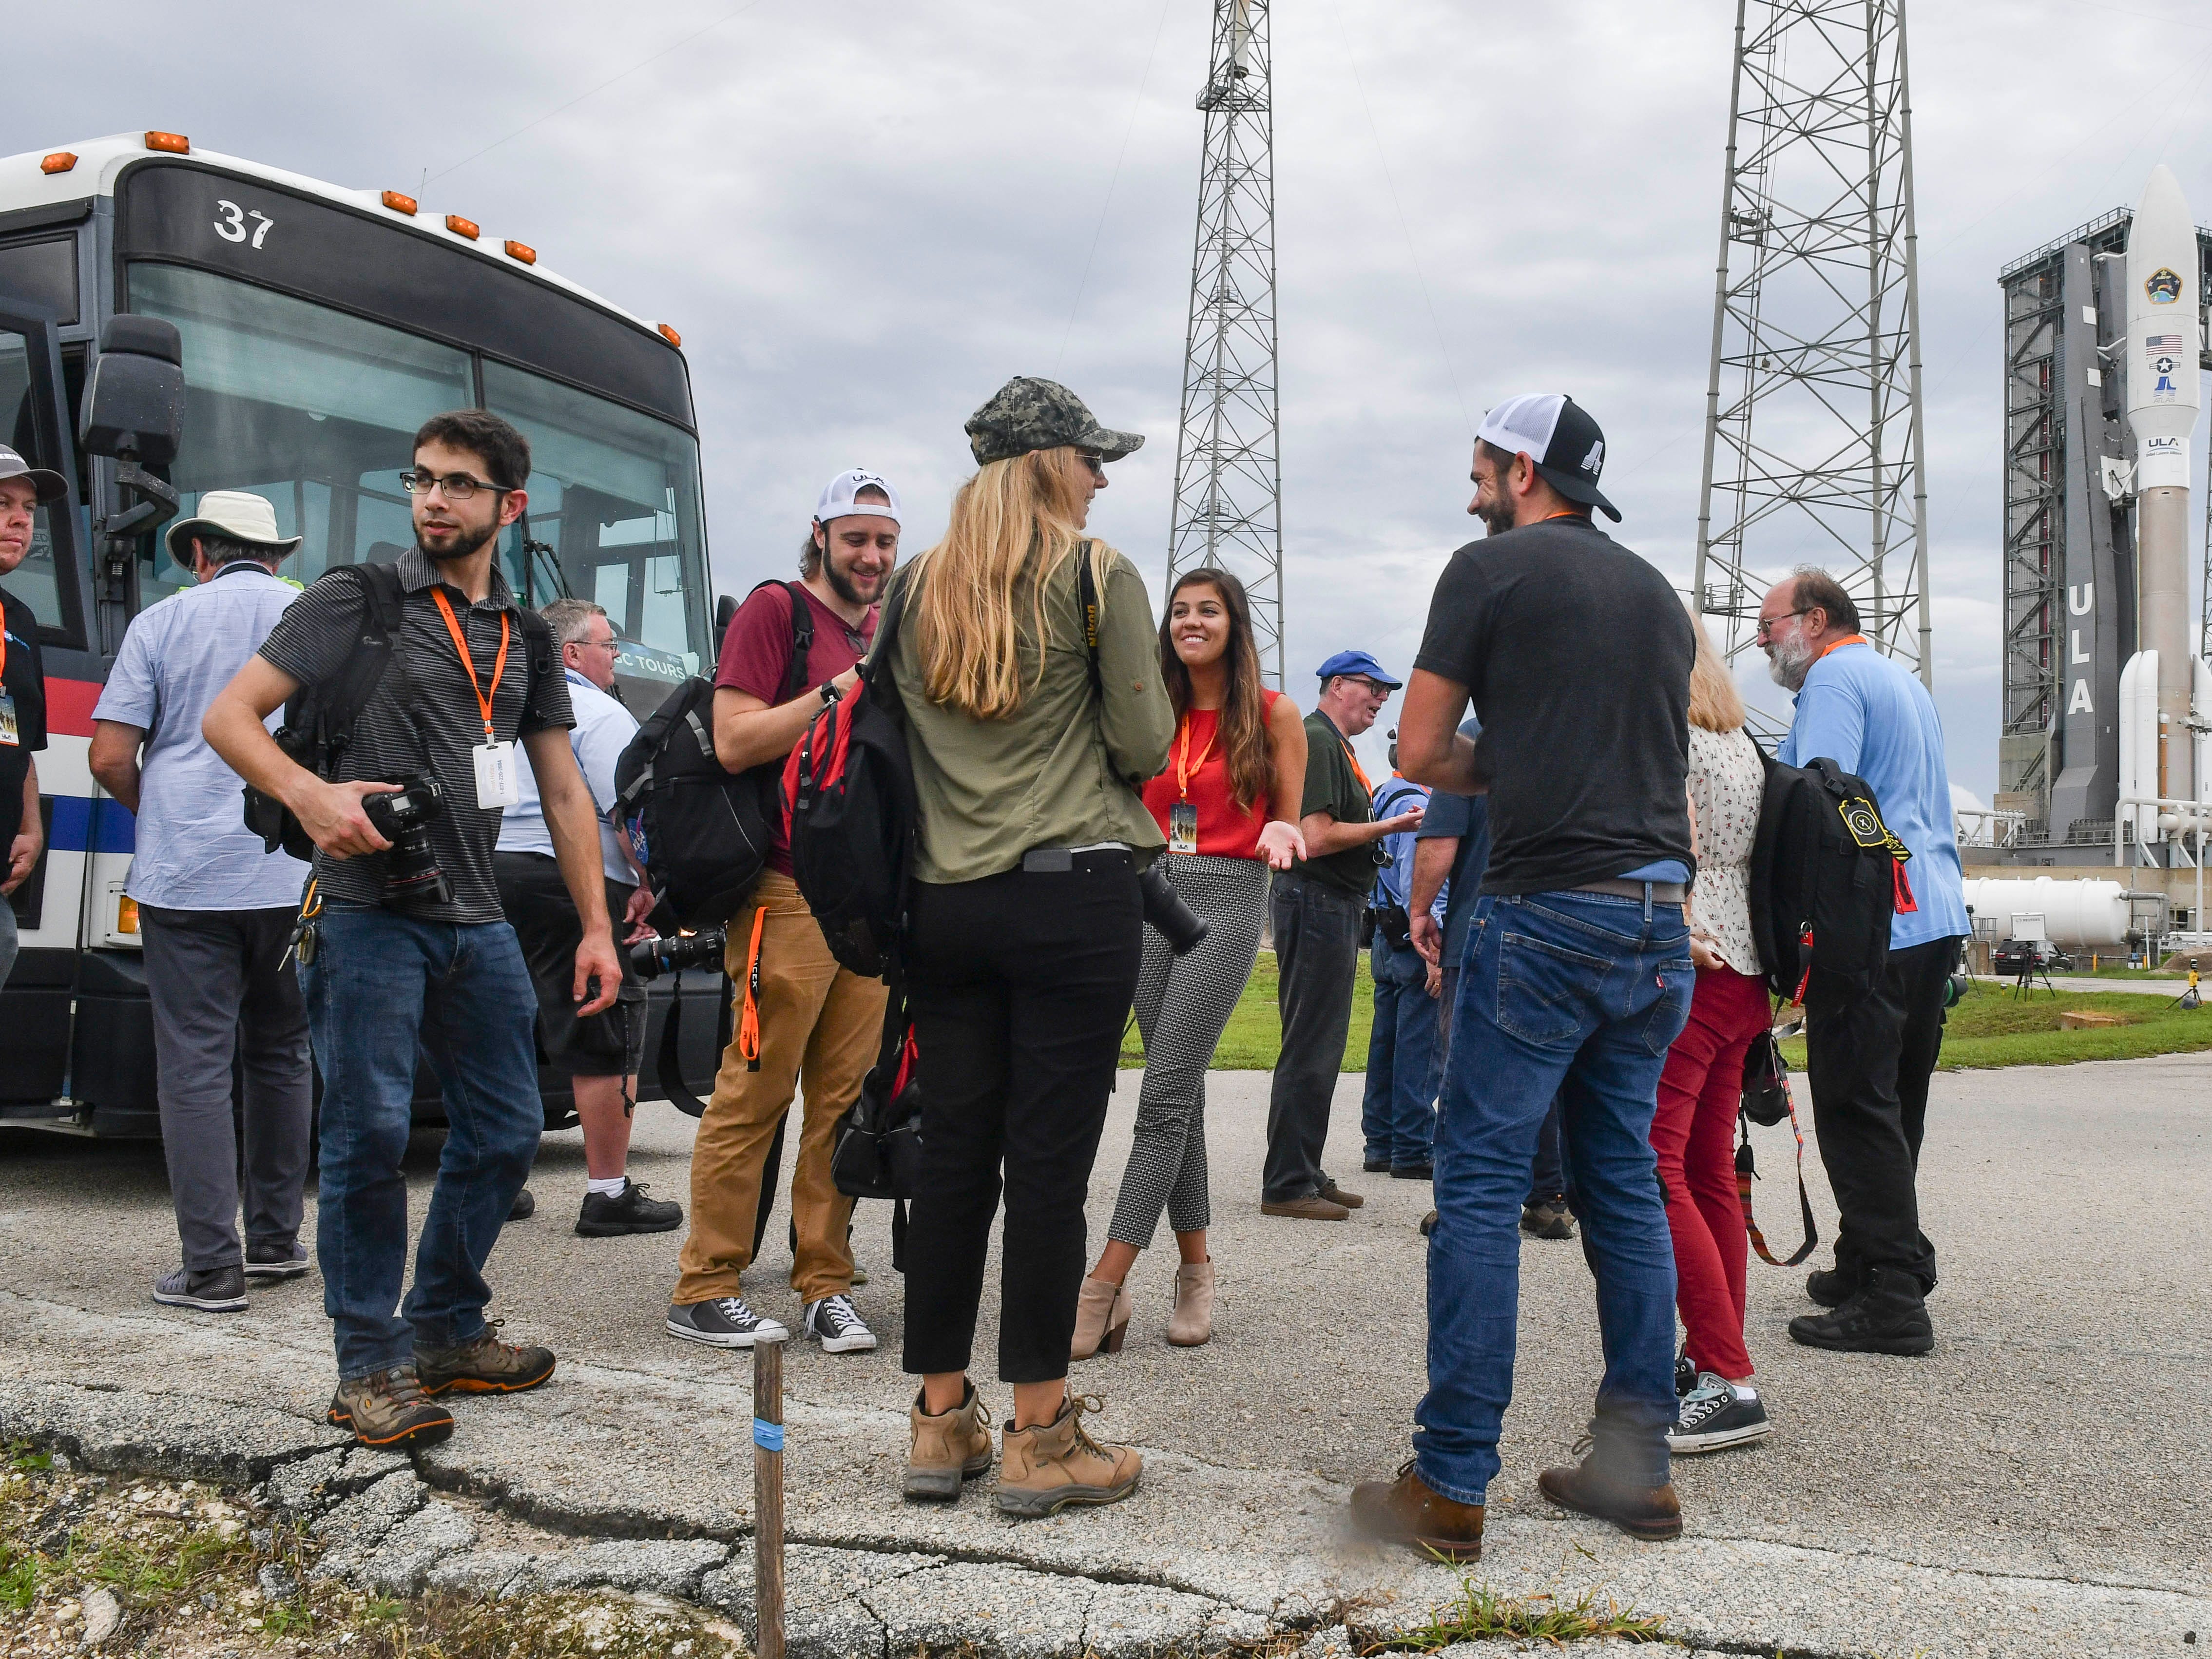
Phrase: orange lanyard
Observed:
(1357, 771)
(1184, 770)
(461, 645)
(1848, 639)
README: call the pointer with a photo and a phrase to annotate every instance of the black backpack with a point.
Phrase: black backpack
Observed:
(701, 832)
(318, 719)
(1827, 876)
(849, 788)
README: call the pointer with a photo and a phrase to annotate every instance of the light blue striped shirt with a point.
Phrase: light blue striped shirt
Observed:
(193, 849)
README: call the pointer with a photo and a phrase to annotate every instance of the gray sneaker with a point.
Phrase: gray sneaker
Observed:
(216, 1290)
(723, 1322)
(276, 1260)
(833, 1323)
(1715, 1415)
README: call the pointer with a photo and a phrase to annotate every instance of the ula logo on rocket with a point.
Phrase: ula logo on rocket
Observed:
(2163, 286)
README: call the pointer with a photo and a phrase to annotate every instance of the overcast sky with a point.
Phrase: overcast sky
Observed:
(865, 216)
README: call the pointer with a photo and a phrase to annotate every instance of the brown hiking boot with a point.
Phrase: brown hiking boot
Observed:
(1639, 1511)
(1312, 1207)
(389, 1408)
(1044, 1467)
(949, 1447)
(1407, 1511)
(485, 1365)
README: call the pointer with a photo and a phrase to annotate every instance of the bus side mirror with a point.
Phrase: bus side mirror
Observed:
(134, 404)
(726, 612)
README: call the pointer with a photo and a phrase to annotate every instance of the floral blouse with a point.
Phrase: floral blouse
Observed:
(1727, 780)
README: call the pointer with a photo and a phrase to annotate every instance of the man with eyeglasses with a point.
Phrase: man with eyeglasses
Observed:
(598, 1055)
(1868, 1053)
(1315, 910)
(386, 963)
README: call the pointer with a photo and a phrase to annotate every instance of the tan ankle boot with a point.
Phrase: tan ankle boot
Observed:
(950, 1446)
(1045, 1467)
(1192, 1322)
(1102, 1318)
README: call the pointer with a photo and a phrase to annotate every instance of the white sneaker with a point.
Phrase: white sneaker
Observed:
(832, 1322)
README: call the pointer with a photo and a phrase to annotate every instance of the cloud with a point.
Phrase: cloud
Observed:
(863, 217)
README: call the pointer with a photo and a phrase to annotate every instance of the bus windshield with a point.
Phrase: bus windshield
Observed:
(316, 410)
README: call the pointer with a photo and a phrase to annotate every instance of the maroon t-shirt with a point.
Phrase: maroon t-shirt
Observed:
(757, 661)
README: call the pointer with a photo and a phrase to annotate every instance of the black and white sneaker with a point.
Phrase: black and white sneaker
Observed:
(724, 1322)
(1716, 1414)
(832, 1322)
(212, 1290)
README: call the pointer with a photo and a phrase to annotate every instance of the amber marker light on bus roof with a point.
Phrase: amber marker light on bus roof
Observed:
(398, 203)
(461, 226)
(522, 253)
(175, 143)
(670, 335)
(60, 161)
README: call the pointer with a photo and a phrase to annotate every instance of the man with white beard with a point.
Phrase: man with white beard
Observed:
(1868, 1057)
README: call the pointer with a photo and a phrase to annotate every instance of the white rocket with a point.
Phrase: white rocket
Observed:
(2165, 687)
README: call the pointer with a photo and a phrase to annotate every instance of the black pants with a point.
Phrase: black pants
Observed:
(1020, 985)
(1548, 1175)
(1316, 960)
(1868, 1058)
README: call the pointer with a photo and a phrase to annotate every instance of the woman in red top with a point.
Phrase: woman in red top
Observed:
(1229, 805)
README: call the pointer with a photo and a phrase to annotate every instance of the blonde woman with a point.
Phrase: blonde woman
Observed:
(1693, 1131)
(1027, 927)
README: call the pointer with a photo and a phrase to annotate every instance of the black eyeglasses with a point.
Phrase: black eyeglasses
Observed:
(1096, 463)
(458, 486)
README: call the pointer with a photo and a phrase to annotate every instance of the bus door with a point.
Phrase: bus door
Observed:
(54, 920)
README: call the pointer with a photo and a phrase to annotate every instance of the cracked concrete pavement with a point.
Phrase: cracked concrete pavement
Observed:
(2036, 1486)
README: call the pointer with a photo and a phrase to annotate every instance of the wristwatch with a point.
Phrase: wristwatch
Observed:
(828, 692)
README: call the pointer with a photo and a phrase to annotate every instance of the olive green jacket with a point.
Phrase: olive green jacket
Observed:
(1064, 770)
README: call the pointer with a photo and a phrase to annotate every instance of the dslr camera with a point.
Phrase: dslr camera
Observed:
(1183, 928)
(412, 875)
(649, 958)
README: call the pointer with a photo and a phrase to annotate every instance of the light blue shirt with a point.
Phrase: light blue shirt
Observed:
(1393, 882)
(193, 850)
(1875, 720)
(603, 730)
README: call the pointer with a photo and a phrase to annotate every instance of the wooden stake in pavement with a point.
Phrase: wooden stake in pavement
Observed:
(768, 1496)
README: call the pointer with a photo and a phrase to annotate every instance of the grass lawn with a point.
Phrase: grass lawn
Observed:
(1990, 1028)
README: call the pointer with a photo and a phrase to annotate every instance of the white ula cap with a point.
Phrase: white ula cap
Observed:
(837, 496)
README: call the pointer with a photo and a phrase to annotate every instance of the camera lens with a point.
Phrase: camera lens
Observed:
(403, 817)
(649, 958)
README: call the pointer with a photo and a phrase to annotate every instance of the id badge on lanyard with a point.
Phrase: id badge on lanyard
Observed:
(11, 734)
(497, 784)
(1182, 814)
(1182, 828)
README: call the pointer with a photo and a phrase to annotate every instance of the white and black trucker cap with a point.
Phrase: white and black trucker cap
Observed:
(838, 498)
(1558, 435)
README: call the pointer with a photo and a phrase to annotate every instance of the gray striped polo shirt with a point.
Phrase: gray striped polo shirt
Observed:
(324, 625)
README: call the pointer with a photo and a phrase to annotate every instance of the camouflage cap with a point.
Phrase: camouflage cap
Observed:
(1028, 414)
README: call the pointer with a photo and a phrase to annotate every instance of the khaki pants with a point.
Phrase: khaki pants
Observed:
(820, 1024)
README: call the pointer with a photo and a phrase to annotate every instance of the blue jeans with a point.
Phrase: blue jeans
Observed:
(1577, 995)
(1398, 1115)
(379, 983)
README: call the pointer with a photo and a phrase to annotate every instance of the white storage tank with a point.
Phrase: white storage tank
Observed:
(2090, 913)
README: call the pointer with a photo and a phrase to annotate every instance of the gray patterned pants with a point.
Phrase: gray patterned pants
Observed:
(1183, 1004)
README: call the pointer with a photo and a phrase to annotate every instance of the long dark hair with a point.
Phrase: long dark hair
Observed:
(1243, 728)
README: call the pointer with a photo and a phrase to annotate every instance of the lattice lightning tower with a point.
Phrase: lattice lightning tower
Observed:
(1813, 424)
(1229, 476)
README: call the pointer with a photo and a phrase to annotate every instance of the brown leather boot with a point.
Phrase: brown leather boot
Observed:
(1406, 1511)
(1049, 1465)
(1102, 1318)
(952, 1446)
(1639, 1511)
(1192, 1322)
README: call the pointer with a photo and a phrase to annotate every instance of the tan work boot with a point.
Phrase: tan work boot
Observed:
(1102, 1318)
(1312, 1207)
(389, 1408)
(1407, 1511)
(1192, 1322)
(1047, 1467)
(483, 1365)
(952, 1446)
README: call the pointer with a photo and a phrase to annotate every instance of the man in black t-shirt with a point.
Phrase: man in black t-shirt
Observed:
(23, 489)
(1575, 655)
(474, 690)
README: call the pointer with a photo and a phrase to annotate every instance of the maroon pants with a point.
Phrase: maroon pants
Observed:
(1693, 1133)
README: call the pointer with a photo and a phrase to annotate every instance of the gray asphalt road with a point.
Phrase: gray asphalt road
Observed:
(2148, 987)
(2058, 1431)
